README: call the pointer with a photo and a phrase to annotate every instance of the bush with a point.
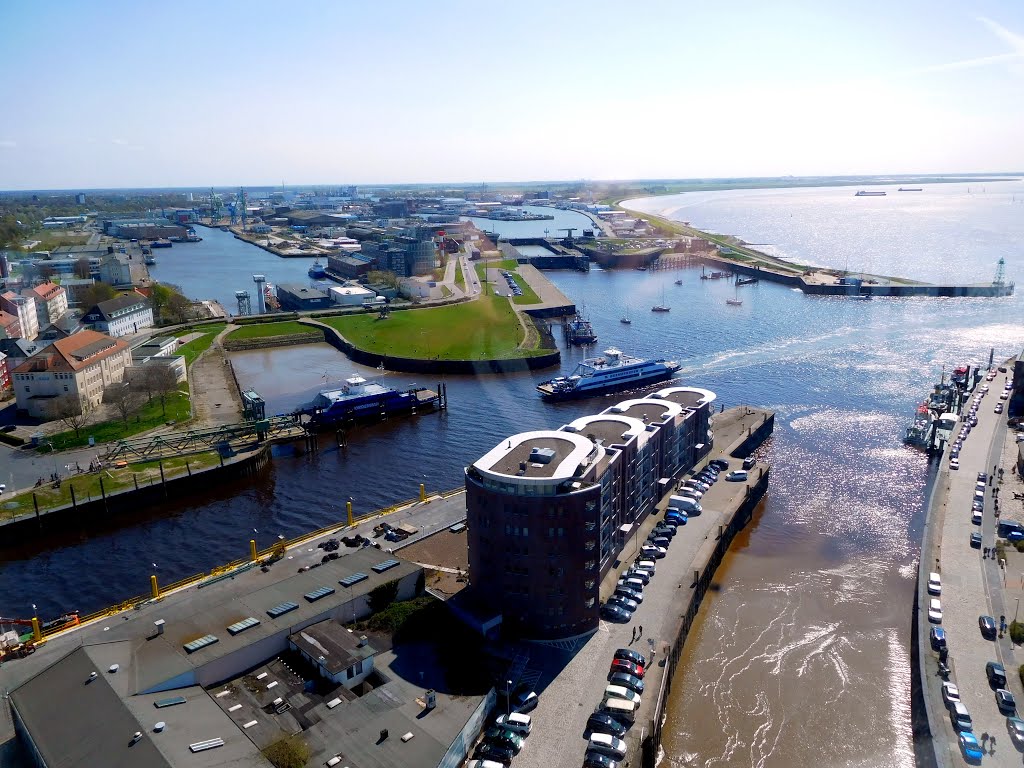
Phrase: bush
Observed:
(11, 439)
(383, 596)
(1017, 632)
(289, 752)
(1020, 546)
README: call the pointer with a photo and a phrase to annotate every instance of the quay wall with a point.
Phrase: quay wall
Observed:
(704, 566)
(292, 339)
(418, 365)
(88, 511)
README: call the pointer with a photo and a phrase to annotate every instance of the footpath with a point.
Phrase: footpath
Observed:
(973, 584)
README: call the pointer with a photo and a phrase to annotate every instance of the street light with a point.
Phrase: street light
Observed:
(508, 698)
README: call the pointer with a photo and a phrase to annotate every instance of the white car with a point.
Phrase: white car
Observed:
(1005, 395)
(976, 517)
(516, 722)
(934, 584)
(950, 694)
(954, 463)
(935, 610)
(607, 744)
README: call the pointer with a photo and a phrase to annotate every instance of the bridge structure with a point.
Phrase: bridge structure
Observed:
(223, 438)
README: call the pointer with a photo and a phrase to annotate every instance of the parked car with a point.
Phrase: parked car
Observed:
(602, 723)
(1005, 701)
(490, 751)
(954, 462)
(652, 551)
(629, 655)
(987, 625)
(479, 764)
(934, 584)
(935, 610)
(721, 464)
(611, 612)
(629, 667)
(996, 674)
(627, 680)
(498, 735)
(976, 540)
(950, 694)
(623, 602)
(597, 760)
(938, 638)
(1015, 726)
(737, 476)
(607, 744)
(976, 517)
(517, 722)
(636, 573)
(632, 594)
(959, 717)
(525, 700)
(970, 747)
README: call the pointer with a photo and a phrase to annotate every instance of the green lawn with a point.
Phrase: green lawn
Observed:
(261, 330)
(460, 279)
(487, 328)
(529, 295)
(196, 347)
(148, 417)
(88, 486)
(507, 264)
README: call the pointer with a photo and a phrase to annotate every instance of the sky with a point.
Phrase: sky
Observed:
(136, 94)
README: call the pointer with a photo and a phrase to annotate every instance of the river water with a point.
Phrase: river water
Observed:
(801, 658)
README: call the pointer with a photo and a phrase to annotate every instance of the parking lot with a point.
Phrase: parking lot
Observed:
(972, 586)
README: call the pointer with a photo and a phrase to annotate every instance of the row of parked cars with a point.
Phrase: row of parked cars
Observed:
(607, 726)
(505, 737)
(512, 284)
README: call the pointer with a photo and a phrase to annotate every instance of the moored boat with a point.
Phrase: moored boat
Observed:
(359, 400)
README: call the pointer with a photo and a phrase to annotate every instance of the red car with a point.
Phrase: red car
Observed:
(621, 665)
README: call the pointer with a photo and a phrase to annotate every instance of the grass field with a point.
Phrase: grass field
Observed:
(196, 347)
(262, 330)
(487, 328)
(88, 486)
(149, 416)
(460, 279)
(529, 295)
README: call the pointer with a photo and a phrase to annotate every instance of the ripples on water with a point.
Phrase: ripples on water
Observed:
(802, 658)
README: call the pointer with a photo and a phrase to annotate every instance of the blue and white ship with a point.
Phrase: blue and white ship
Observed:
(612, 372)
(317, 271)
(361, 400)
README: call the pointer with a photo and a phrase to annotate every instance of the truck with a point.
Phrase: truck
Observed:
(401, 531)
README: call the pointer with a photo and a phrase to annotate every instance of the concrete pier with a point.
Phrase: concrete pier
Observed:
(972, 586)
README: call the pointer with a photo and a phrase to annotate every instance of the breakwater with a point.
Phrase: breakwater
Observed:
(863, 288)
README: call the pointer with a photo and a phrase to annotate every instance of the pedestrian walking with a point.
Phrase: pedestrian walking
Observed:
(633, 639)
(640, 633)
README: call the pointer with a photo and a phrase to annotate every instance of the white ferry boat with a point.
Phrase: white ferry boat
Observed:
(612, 372)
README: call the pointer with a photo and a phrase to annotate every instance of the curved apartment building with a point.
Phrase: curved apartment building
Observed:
(549, 511)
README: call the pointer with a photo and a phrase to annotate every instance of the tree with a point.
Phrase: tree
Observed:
(82, 268)
(169, 303)
(383, 277)
(46, 271)
(96, 293)
(123, 398)
(382, 596)
(160, 381)
(71, 411)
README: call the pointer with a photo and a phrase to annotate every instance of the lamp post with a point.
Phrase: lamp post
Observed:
(508, 698)
(1015, 609)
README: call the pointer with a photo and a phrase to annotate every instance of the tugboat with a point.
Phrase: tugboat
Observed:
(317, 271)
(942, 399)
(579, 331)
(611, 373)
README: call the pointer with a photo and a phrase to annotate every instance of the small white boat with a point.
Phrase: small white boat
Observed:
(734, 302)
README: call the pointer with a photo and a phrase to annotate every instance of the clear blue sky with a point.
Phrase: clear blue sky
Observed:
(103, 94)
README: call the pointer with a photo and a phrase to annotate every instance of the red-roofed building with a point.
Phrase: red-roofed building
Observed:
(51, 302)
(77, 368)
(10, 326)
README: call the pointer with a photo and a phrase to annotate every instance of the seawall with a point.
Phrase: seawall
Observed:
(107, 506)
(418, 365)
(704, 565)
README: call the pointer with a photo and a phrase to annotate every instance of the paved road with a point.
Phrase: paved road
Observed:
(972, 586)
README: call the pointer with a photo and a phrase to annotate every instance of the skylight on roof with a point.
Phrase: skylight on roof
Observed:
(387, 564)
(317, 594)
(282, 609)
(355, 578)
(200, 643)
(244, 624)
